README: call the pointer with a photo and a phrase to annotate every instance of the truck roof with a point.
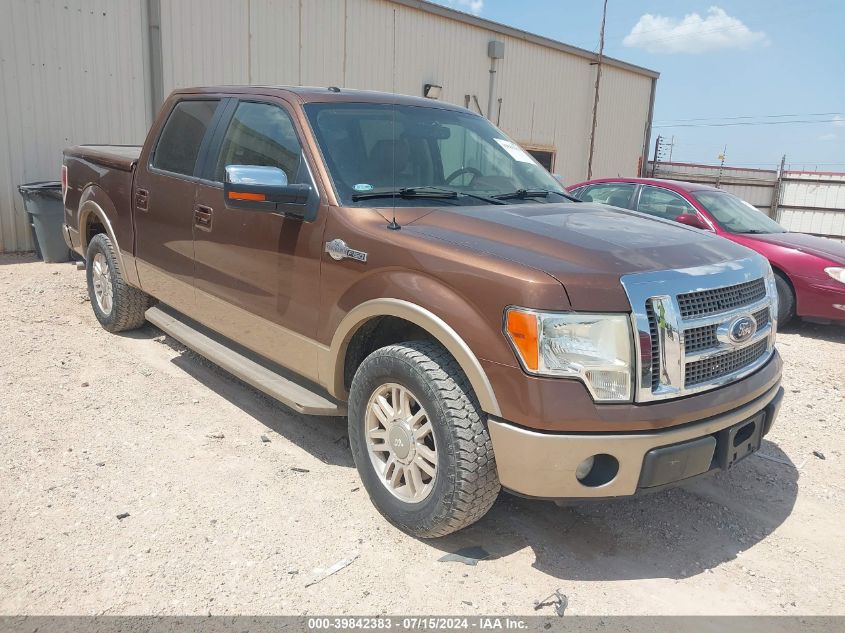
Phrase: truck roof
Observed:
(321, 94)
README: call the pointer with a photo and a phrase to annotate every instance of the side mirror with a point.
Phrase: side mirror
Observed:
(263, 189)
(693, 220)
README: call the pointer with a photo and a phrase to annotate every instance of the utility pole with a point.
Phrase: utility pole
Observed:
(721, 166)
(671, 148)
(596, 96)
(774, 212)
(656, 155)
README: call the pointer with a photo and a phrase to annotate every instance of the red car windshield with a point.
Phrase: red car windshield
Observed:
(735, 215)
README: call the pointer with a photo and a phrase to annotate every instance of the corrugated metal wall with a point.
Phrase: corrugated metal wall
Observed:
(71, 71)
(808, 202)
(752, 185)
(813, 202)
(76, 71)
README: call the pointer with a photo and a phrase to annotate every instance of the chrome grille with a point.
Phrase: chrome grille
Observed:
(683, 336)
(694, 305)
(704, 337)
(712, 367)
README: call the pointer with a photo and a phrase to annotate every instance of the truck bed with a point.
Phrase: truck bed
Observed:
(121, 157)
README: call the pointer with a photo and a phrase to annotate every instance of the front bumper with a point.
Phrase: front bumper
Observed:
(543, 464)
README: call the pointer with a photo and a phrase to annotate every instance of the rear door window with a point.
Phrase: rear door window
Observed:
(181, 138)
(663, 203)
(617, 194)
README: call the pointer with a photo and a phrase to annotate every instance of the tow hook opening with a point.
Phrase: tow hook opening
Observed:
(744, 434)
(597, 470)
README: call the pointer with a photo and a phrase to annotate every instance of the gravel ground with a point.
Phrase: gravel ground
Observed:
(95, 426)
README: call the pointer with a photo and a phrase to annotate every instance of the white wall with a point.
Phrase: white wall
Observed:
(71, 71)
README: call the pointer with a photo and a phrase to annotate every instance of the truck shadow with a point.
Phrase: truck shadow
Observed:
(323, 437)
(834, 332)
(671, 534)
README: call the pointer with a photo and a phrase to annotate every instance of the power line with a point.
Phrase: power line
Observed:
(749, 123)
(750, 116)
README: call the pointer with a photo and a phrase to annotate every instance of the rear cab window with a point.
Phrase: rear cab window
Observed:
(181, 138)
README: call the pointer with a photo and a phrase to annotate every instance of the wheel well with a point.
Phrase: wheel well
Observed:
(782, 274)
(93, 228)
(376, 333)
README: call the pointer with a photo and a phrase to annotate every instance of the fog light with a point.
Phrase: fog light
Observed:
(584, 468)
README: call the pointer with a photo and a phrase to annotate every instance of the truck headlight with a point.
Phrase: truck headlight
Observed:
(595, 348)
(837, 273)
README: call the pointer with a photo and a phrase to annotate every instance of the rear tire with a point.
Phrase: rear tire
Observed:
(415, 394)
(786, 300)
(117, 305)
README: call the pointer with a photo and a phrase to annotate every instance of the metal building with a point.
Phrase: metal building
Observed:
(95, 71)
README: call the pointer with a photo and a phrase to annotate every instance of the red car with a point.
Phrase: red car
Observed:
(810, 270)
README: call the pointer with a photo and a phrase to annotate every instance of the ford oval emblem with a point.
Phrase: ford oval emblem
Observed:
(742, 329)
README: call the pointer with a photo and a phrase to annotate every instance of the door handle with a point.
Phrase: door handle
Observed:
(142, 197)
(203, 216)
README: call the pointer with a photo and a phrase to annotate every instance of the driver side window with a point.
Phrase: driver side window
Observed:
(260, 134)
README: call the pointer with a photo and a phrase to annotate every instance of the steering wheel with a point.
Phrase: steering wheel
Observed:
(464, 170)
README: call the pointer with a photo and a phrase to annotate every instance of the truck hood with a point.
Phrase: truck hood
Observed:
(812, 244)
(587, 247)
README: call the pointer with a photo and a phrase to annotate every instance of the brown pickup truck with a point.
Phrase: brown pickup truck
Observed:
(402, 262)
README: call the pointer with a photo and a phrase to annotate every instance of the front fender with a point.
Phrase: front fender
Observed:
(449, 318)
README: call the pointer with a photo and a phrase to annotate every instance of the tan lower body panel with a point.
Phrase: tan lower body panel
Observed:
(543, 464)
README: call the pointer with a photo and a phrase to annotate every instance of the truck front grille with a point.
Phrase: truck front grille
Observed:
(707, 369)
(684, 337)
(704, 337)
(702, 303)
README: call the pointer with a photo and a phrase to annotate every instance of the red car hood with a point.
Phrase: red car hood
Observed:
(812, 244)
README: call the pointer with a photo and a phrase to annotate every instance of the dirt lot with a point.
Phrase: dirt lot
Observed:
(95, 425)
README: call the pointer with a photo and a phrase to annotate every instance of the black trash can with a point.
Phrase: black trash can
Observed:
(44, 206)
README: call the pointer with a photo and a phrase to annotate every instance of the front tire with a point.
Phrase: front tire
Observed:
(117, 305)
(786, 300)
(419, 440)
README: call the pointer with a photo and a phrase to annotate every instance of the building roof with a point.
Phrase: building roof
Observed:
(504, 29)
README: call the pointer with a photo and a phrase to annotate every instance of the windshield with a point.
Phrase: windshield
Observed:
(736, 215)
(371, 148)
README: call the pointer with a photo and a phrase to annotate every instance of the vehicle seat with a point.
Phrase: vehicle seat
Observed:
(619, 199)
(389, 164)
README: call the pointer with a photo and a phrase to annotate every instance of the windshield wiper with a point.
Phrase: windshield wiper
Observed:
(423, 191)
(754, 231)
(522, 194)
(407, 192)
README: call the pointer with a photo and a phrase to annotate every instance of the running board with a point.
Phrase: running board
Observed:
(296, 396)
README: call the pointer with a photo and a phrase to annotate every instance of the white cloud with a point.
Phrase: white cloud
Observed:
(827, 137)
(692, 34)
(838, 121)
(473, 6)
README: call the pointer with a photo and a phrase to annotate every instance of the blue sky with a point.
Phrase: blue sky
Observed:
(718, 59)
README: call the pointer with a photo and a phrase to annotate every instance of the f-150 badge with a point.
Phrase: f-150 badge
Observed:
(337, 250)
